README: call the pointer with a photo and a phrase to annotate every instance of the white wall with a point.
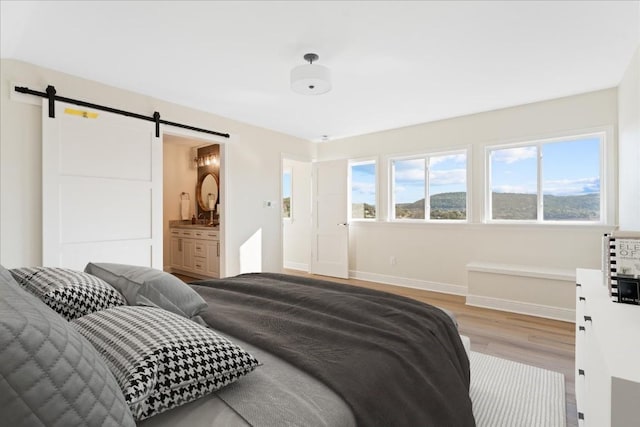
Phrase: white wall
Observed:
(296, 231)
(629, 145)
(252, 168)
(179, 176)
(435, 256)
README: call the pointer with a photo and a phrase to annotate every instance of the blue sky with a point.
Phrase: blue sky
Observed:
(569, 168)
(446, 174)
(286, 184)
(363, 183)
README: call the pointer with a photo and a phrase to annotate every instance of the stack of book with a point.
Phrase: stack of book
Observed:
(621, 264)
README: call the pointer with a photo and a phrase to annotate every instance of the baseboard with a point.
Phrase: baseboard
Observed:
(296, 266)
(424, 285)
(546, 311)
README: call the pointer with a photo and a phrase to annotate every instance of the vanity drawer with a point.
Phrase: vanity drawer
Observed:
(181, 232)
(206, 234)
(199, 264)
(200, 249)
(195, 233)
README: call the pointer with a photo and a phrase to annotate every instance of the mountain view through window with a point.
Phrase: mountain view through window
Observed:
(569, 181)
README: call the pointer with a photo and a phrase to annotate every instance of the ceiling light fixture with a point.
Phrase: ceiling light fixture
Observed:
(311, 79)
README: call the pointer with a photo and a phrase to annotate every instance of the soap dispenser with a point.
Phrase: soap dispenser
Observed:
(193, 219)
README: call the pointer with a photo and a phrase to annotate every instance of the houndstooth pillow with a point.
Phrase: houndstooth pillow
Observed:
(70, 293)
(160, 359)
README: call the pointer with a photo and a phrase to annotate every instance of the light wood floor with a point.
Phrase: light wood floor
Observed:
(545, 343)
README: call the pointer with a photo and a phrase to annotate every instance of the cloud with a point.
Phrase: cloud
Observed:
(413, 173)
(572, 187)
(400, 189)
(522, 189)
(447, 177)
(512, 155)
(366, 188)
(409, 170)
(456, 158)
(563, 187)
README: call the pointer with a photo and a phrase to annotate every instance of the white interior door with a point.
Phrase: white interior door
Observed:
(330, 229)
(101, 189)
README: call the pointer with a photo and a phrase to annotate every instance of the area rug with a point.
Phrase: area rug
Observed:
(511, 394)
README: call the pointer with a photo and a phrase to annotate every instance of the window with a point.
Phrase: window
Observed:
(363, 189)
(439, 178)
(547, 181)
(286, 193)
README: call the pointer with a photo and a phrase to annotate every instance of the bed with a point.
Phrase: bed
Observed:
(328, 354)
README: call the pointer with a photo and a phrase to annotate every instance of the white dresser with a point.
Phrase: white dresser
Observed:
(195, 251)
(607, 356)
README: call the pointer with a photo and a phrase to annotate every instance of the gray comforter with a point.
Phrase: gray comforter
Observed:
(395, 361)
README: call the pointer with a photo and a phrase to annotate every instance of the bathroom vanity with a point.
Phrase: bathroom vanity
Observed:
(195, 250)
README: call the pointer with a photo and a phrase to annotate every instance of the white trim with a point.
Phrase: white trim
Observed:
(425, 285)
(538, 310)
(523, 271)
(300, 266)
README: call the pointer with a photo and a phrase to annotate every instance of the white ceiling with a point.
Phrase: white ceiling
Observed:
(394, 63)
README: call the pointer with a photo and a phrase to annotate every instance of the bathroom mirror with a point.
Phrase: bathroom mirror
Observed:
(207, 192)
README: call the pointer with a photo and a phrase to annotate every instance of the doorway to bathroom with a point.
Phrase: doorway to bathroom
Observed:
(193, 204)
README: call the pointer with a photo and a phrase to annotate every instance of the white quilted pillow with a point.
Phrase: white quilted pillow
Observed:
(160, 359)
(70, 293)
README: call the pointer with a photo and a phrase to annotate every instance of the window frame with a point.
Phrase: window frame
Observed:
(426, 156)
(363, 161)
(606, 168)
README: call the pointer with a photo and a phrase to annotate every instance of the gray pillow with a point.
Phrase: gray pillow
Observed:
(50, 375)
(151, 287)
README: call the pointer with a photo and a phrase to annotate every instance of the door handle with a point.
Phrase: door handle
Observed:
(218, 248)
(179, 245)
(344, 224)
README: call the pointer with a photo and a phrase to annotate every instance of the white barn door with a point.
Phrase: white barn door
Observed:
(101, 189)
(330, 235)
